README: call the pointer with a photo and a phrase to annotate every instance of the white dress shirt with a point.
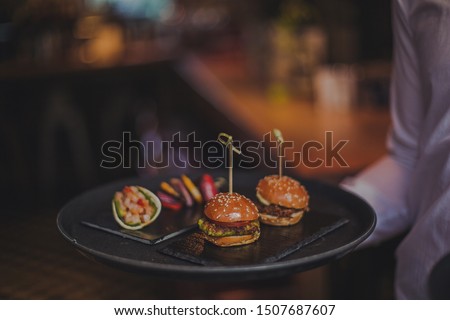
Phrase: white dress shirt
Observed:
(410, 187)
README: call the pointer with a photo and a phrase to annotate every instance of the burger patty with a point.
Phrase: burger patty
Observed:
(215, 230)
(276, 210)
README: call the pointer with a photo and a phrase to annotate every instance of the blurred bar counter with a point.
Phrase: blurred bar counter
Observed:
(227, 80)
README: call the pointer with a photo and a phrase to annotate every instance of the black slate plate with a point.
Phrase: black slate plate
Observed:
(274, 244)
(131, 255)
(173, 224)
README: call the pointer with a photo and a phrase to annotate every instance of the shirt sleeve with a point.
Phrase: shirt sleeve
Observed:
(384, 184)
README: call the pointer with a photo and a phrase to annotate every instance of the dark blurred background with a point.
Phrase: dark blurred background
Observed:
(77, 73)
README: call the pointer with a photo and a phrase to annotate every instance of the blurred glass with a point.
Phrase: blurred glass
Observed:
(335, 88)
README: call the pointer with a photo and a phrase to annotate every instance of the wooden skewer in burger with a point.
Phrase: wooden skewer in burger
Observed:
(230, 219)
(283, 200)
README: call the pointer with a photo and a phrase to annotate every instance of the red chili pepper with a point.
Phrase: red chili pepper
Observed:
(169, 202)
(207, 187)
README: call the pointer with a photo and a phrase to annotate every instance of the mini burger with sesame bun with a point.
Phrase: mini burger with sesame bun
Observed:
(230, 219)
(283, 200)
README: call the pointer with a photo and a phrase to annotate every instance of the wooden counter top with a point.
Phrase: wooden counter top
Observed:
(226, 79)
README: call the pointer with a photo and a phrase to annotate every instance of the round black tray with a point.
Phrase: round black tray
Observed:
(134, 256)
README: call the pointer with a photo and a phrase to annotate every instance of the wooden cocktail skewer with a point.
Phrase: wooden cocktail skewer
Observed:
(227, 140)
(279, 136)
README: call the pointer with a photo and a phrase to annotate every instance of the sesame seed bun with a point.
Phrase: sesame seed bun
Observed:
(283, 191)
(230, 207)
